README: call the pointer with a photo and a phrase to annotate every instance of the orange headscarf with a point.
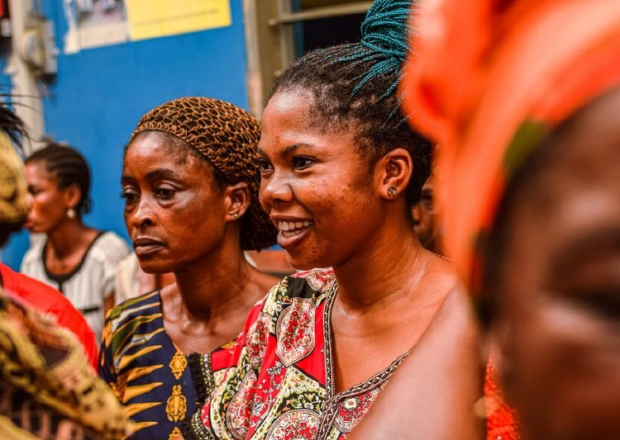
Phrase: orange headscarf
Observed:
(488, 79)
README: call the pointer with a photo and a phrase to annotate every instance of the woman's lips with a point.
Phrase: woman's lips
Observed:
(146, 246)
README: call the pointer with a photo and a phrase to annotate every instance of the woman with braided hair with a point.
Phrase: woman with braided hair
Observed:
(76, 259)
(341, 169)
(190, 183)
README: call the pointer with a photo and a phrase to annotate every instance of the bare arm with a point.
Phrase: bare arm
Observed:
(433, 393)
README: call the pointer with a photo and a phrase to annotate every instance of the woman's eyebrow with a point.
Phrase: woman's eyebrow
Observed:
(287, 151)
(153, 175)
(292, 148)
(161, 173)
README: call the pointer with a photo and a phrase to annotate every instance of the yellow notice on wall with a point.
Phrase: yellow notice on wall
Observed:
(159, 18)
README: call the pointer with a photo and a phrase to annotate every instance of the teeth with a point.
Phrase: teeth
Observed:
(292, 228)
(289, 234)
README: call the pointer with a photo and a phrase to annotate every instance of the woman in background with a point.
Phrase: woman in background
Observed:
(76, 259)
(190, 183)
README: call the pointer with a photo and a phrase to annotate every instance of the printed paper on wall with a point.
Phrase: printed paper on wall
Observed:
(159, 18)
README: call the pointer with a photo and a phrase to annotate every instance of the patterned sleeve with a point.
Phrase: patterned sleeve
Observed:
(107, 370)
(115, 250)
(46, 362)
(215, 420)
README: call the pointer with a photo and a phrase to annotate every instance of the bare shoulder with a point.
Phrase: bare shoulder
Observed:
(455, 318)
(442, 281)
(437, 386)
(441, 273)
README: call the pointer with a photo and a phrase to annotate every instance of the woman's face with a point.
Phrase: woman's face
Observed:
(315, 187)
(174, 211)
(559, 326)
(49, 203)
(424, 217)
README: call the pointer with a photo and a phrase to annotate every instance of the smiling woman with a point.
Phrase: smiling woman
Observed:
(340, 171)
(190, 183)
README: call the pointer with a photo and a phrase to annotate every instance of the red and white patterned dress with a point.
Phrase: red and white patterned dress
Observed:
(281, 386)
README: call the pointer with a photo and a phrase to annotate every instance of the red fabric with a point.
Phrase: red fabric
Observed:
(51, 302)
(502, 419)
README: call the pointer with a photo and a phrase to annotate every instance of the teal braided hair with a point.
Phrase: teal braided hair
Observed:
(384, 40)
(354, 87)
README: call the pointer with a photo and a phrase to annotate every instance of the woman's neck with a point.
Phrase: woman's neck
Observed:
(391, 264)
(218, 285)
(67, 239)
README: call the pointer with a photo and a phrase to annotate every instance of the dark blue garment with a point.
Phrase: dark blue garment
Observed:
(150, 376)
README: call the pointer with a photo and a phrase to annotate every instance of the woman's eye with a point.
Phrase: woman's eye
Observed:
(164, 193)
(130, 196)
(605, 301)
(264, 166)
(301, 163)
(602, 300)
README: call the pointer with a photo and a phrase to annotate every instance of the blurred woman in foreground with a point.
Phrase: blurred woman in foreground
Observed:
(529, 120)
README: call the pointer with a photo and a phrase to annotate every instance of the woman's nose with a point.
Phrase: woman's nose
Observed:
(276, 188)
(142, 215)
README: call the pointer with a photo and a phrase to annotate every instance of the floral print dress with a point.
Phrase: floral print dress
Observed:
(281, 384)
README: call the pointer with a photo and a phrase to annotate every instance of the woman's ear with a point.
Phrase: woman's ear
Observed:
(238, 201)
(72, 196)
(394, 170)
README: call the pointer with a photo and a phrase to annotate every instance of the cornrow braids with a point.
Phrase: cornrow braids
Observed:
(69, 167)
(354, 87)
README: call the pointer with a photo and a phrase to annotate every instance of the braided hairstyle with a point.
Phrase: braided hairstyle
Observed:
(69, 167)
(354, 86)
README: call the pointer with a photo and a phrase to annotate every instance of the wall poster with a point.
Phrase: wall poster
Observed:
(159, 18)
(94, 23)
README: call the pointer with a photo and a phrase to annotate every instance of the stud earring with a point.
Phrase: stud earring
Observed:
(235, 215)
(71, 213)
(392, 192)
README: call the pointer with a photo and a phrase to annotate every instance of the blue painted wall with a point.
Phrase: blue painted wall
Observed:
(100, 94)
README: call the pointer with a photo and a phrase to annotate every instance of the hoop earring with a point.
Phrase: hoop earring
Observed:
(71, 213)
(392, 192)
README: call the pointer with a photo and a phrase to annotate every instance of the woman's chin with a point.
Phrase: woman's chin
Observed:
(303, 261)
(153, 267)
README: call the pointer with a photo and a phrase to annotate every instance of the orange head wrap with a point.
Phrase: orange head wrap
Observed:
(488, 79)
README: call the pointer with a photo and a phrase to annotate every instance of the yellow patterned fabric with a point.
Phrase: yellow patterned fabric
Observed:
(47, 386)
(13, 204)
(149, 374)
